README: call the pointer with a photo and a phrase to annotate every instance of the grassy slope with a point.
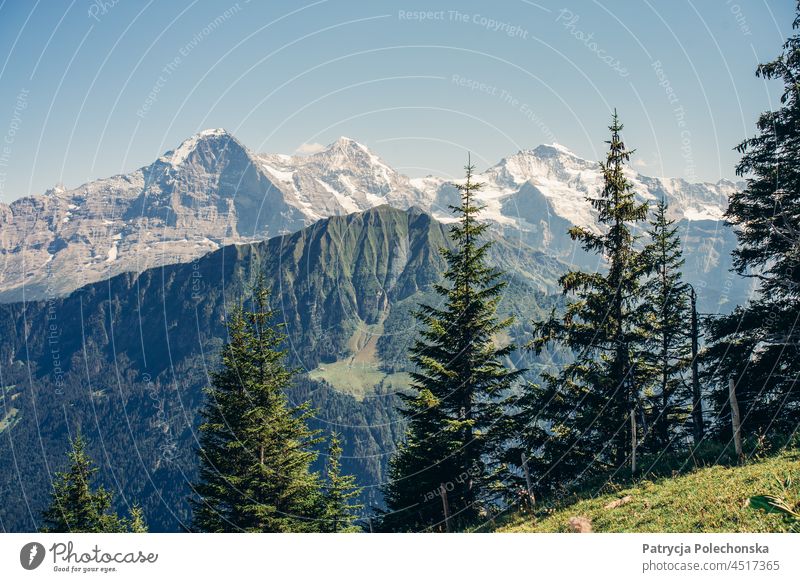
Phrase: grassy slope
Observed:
(713, 499)
(361, 374)
(359, 379)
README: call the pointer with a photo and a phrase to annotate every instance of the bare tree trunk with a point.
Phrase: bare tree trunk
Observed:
(445, 507)
(736, 420)
(531, 498)
(697, 397)
(634, 443)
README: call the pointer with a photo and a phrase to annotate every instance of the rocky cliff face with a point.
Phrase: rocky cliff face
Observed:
(206, 193)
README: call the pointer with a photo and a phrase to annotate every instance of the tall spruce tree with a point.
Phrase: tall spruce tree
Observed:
(667, 352)
(255, 448)
(339, 512)
(757, 345)
(588, 405)
(76, 508)
(449, 460)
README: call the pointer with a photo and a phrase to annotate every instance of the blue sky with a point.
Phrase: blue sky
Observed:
(91, 88)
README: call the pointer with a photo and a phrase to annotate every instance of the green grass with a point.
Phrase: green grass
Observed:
(712, 499)
(8, 416)
(9, 419)
(361, 373)
(359, 379)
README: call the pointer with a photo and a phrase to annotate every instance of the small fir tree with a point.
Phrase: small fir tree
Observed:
(339, 513)
(667, 352)
(137, 522)
(255, 448)
(76, 508)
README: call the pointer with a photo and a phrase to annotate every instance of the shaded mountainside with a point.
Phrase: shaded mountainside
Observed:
(126, 359)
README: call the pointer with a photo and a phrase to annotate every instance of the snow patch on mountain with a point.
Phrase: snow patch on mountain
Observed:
(282, 175)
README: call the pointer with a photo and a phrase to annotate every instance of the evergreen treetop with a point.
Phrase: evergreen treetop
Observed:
(76, 508)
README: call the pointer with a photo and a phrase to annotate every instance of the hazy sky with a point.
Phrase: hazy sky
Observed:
(93, 88)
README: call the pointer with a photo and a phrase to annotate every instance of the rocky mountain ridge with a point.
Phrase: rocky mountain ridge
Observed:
(211, 191)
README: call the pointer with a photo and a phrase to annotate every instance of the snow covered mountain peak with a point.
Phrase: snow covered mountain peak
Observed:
(214, 132)
(345, 142)
(205, 138)
(553, 149)
(345, 177)
(346, 151)
(544, 163)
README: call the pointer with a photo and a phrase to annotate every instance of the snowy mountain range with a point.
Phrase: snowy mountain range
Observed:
(212, 191)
